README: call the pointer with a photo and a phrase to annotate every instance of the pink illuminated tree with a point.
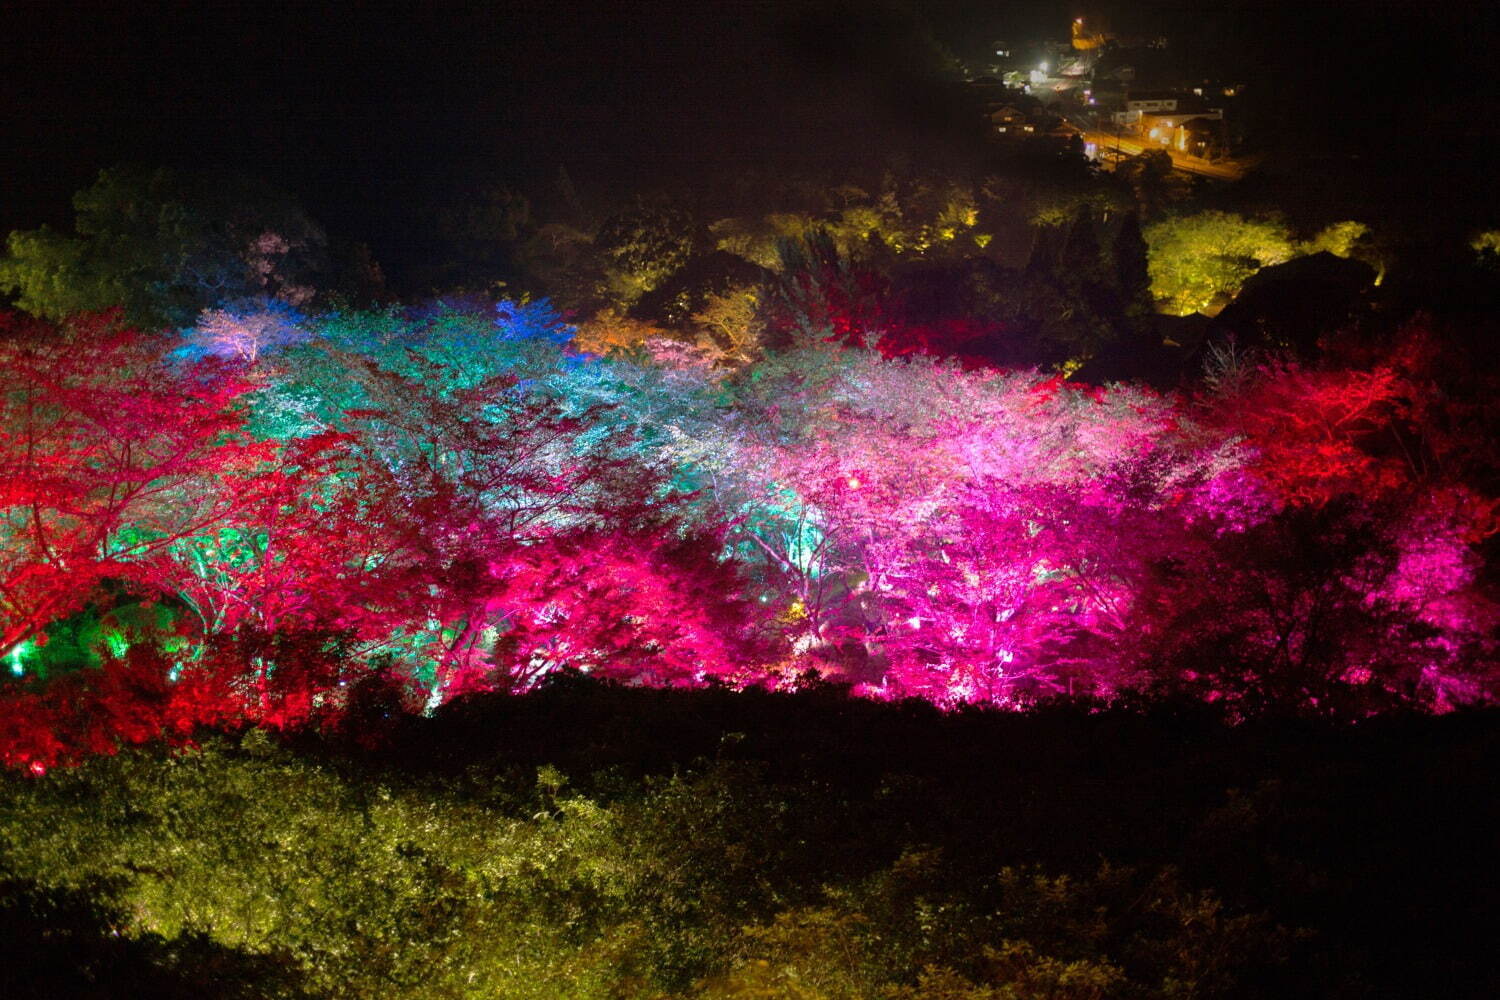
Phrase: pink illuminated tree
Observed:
(975, 536)
(243, 334)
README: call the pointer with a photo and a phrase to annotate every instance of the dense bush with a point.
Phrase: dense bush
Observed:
(723, 844)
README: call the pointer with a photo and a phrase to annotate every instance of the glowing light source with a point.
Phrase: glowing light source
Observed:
(17, 654)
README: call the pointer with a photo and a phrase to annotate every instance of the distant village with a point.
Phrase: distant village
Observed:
(1117, 96)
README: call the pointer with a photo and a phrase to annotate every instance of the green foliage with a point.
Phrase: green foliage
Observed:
(1114, 934)
(49, 275)
(1340, 239)
(380, 889)
(85, 639)
(164, 246)
(1355, 241)
(1198, 262)
(642, 246)
(383, 892)
(67, 943)
(374, 892)
(717, 844)
(757, 239)
(1486, 247)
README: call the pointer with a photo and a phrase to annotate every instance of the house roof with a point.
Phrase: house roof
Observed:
(1203, 124)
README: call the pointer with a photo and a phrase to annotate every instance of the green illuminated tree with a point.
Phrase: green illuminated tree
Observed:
(642, 246)
(1198, 262)
(1486, 247)
(164, 246)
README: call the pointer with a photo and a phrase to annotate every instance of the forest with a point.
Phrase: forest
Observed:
(951, 572)
(747, 451)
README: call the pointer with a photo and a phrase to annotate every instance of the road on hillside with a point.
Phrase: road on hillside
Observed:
(1112, 147)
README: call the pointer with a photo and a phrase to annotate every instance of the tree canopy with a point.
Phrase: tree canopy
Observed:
(163, 246)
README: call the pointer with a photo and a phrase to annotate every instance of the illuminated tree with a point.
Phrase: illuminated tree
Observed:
(272, 567)
(1310, 427)
(642, 246)
(609, 332)
(502, 541)
(730, 325)
(965, 536)
(307, 385)
(1342, 239)
(109, 456)
(146, 695)
(242, 334)
(164, 247)
(821, 293)
(642, 607)
(1319, 609)
(130, 477)
(1363, 588)
(1198, 262)
(757, 239)
(465, 496)
(1486, 248)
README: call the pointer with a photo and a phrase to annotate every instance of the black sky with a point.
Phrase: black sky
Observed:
(361, 107)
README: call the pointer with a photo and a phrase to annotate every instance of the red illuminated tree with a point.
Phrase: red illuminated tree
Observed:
(110, 454)
(1364, 586)
(264, 568)
(1319, 434)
